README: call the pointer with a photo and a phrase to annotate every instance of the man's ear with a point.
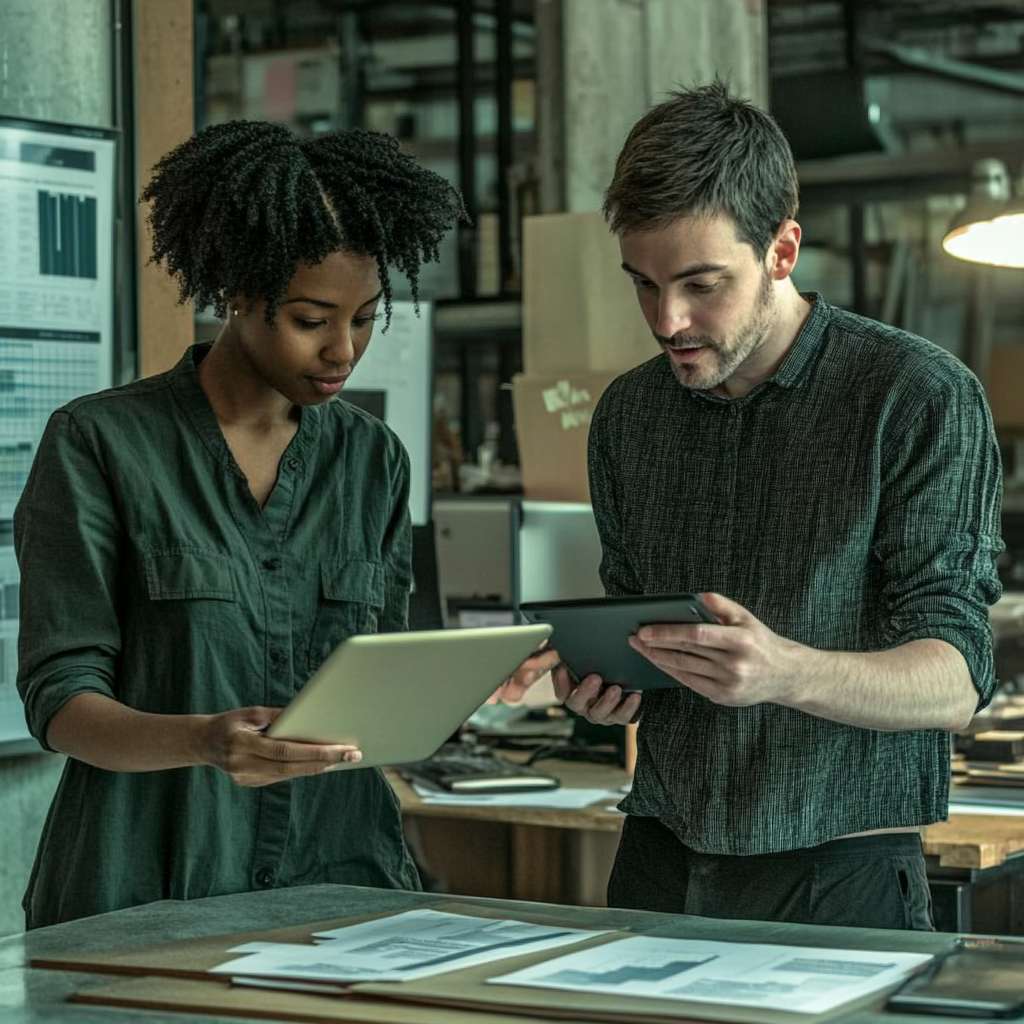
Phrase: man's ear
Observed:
(784, 250)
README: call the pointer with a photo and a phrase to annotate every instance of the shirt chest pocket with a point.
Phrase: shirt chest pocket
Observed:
(351, 600)
(196, 590)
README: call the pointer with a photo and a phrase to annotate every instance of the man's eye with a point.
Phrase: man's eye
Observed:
(642, 283)
(309, 325)
(701, 289)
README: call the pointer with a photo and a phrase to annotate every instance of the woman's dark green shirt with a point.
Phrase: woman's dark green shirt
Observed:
(150, 574)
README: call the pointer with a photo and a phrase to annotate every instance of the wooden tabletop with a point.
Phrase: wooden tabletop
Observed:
(975, 841)
(600, 817)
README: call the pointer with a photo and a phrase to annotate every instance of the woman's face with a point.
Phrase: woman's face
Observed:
(321, 328)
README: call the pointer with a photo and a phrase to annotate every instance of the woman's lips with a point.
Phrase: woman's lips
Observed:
(328, 385)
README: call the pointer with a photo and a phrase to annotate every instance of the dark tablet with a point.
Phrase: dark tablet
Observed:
(975, 978)
(591, 635)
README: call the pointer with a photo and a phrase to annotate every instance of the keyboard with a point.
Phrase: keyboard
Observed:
(458, 769)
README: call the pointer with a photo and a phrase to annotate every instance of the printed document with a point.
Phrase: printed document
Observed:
(802, 979)
(415, 944)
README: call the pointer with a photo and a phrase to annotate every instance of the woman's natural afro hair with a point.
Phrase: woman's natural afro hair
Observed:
(240, 205)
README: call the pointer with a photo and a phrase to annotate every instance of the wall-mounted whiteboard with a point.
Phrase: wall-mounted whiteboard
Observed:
(394, 381)
(56, 318)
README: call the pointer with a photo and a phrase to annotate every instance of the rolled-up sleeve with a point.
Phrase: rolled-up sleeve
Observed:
(938, 529)
(66, 534)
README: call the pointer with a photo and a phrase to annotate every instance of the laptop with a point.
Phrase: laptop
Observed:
(399, 696)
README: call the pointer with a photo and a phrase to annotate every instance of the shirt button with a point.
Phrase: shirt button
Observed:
(265, 878)
(294, 463)
(270, 564)
(276, 655)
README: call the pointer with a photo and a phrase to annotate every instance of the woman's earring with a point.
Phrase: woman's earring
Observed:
(234, 311)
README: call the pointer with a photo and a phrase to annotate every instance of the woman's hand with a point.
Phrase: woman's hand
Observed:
(234, 742)
(514, 688)
(598, 703)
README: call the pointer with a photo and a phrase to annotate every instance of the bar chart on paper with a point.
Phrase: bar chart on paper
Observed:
(67, 234)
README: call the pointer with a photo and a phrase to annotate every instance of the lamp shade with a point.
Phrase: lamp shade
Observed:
(990, 229)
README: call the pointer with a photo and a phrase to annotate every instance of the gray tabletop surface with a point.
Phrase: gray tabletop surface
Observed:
(30, 996)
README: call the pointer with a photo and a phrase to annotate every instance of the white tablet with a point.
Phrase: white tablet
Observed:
(399, 696)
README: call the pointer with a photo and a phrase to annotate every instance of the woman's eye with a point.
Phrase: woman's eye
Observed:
(364, 321)
(310, 325)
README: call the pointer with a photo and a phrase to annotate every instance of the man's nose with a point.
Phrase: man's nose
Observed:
(673, 316)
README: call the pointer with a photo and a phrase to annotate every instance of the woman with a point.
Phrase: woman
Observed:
(193, 544)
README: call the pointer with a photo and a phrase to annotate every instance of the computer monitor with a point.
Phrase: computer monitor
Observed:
(556, 552)
(473, 551)
(373, 401)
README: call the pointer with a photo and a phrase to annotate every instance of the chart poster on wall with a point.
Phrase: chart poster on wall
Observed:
(56, 316)
(393, 381)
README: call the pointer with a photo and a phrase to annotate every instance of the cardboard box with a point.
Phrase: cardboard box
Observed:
(580, 311)
(1005, 387)
(553, 415)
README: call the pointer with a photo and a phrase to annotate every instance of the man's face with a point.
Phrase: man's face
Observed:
(321, 329)
(709, 301)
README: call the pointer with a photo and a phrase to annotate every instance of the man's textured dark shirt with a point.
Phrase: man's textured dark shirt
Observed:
(851, 502)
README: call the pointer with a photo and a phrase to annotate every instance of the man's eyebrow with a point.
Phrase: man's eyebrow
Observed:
(691, 271)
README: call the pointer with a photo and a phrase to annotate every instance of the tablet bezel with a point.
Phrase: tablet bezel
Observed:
(585, 631)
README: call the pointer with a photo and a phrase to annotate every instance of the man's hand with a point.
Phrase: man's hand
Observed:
(737, 663)
(597, 703)
(514, 688)
(234, 742)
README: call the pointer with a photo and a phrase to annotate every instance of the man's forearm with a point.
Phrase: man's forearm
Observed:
(923, 684)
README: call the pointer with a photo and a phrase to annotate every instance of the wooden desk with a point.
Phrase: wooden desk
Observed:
(975, 861)
(557, 856)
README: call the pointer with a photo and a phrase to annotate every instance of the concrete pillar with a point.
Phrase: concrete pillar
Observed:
(602, 63)
(604, 88)
(691, 41)
(56, 64)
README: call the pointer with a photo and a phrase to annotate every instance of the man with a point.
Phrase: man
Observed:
(832, 486)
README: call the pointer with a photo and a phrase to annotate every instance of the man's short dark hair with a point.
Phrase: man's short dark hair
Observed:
(704, 152)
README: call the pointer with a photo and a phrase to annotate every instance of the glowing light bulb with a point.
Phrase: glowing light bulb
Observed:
(997, 242)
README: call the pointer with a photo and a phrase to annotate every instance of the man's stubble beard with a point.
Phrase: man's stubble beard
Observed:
(730, 357)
